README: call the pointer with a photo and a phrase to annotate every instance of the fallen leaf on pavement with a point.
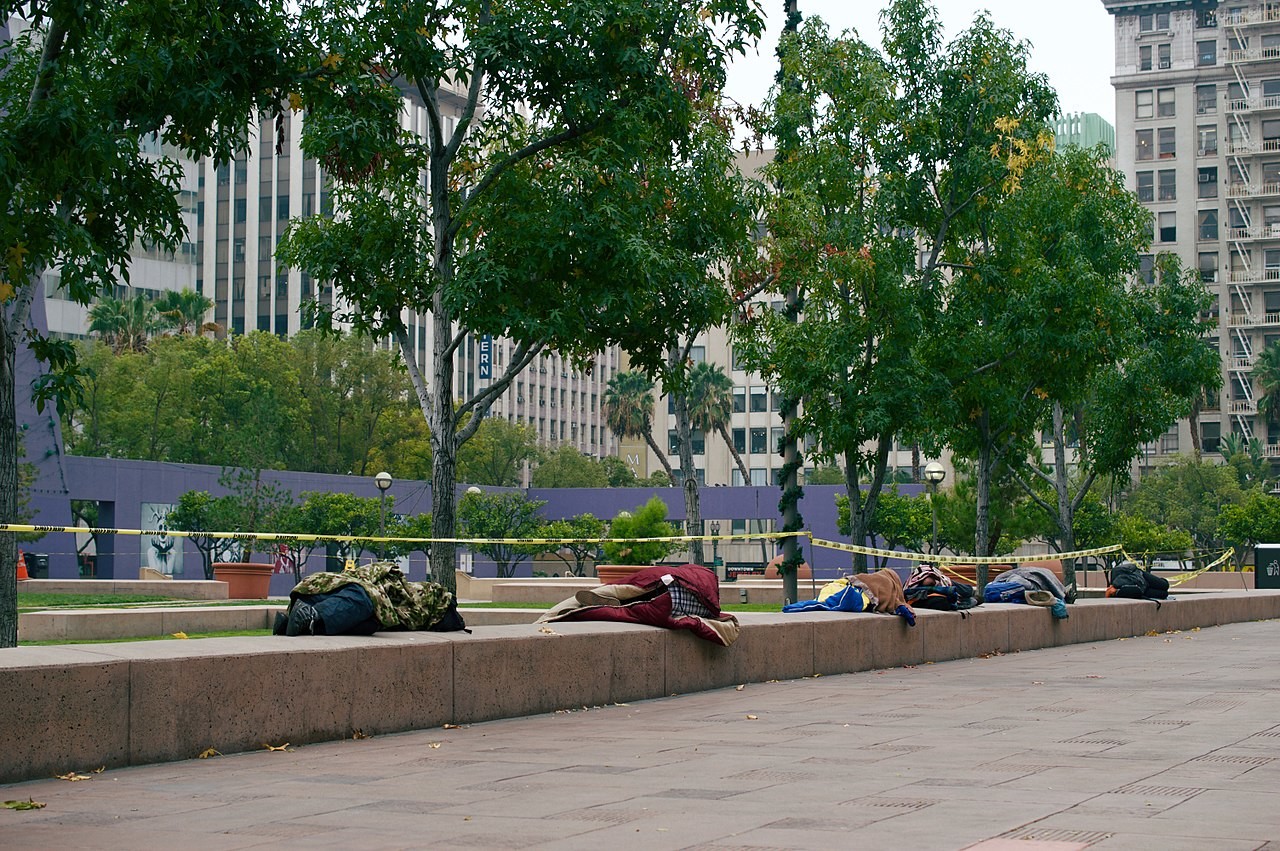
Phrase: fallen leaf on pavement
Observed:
(283, 747)
(752, 717)
(28, 804)
(180, 635)
(72, 776)
(208, 752)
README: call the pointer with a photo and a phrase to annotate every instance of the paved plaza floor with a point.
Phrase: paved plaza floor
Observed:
(1160, 742)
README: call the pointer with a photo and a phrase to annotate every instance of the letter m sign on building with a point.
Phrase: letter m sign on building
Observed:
(486, 356)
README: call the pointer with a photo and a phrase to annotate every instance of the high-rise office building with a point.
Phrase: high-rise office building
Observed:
(236, 214)
(1198, 137)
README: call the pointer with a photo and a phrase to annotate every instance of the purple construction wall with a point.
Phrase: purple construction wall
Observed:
(121, 487)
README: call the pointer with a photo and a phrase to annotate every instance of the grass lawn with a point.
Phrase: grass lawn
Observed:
(227, 634)
(32, 602)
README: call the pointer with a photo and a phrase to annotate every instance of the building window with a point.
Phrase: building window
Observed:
(759, 441)
(239, 250)
(1146, 186)
(759, 400)
(1168, 185)
(1164, 56)
(1147, 269)
(1144, 146)
(1271, 135)
(739, 400)
(740, 440)
(1207, 221)
(240, 210)
(1210, 435)
(1144, 58)
(1143, 104)
(777, 434)
(1209, 267)
(1146, 23)
(1271, 220)
(1168, 226)
(699, 442)
(1207, 182)
(1166, 106)
(759, 476)
(673, 442)
(1206, 18)
(1167, 140)
(1206, 53)
(1207, 141)
(1207, 99)
(282, 207)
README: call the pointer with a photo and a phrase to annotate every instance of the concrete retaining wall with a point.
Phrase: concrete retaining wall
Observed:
(77, 708)
(179, 589)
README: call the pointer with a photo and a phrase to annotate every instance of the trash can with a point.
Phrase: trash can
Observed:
(1266, 571)
(38, 565)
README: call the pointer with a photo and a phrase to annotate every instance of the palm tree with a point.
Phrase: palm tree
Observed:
(711, 404)
(628, 411)
(1267, 373)
(183, 312)
(124, 324)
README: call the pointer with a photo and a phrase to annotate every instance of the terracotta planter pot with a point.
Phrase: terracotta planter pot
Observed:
(612, 574)
(245, 580)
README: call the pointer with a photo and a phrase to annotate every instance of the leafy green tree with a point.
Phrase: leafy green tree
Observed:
(1014, 520)
(183, 312)
(503, 515)
(587, 529)
(1143, 358)
(496, 454)
(1144, 538)
(587, 208)
(80, 89)
(825, 475)
(124, 324)
(1267, 373)
(293, 520)
(618, 473)
(566, 467)
(647, 521)
(901, 521)
(201, 514)
(1188, 495)
(342, 514)
(627, 404)
(256, 505)
(835, 241)
(1246, 524)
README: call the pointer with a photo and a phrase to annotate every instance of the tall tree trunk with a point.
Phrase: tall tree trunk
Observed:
(982, 512)
(733, 450)
(862, 506)
(8, 484)
(692, 506)
(1193, 420)
(915, 463)
(662, 456)
(1066, 509)
(444, 449)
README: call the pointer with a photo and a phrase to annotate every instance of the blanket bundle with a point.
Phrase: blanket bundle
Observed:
(864, 592)
(684, 597)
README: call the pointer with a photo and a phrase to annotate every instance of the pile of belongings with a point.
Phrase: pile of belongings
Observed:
(929, 588)
(684, 597)
(364, 599)
(863, 592)
(1035, 585)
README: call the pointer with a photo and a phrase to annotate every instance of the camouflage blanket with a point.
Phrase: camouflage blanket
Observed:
(397, 602)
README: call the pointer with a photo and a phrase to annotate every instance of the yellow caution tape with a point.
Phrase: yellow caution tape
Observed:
(306, 538)
(909, 556)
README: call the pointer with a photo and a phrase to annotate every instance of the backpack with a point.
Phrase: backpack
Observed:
(943, 598)
(1005, 592)
(1131, 582)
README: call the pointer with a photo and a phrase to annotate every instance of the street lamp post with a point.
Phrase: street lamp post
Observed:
(715, 547)
(383, 481)
(934, 473)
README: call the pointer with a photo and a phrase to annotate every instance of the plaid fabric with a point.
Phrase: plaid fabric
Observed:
(684, 602)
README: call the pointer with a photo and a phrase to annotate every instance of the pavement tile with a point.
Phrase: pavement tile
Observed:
(1165, 742)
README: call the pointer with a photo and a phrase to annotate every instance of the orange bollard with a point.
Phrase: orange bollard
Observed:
(22, 566)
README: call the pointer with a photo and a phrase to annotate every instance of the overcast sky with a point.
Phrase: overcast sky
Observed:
(1072, 41)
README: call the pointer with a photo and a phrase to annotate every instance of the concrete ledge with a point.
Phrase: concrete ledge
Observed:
(77, 708)
(177, 589)
(110, 624)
